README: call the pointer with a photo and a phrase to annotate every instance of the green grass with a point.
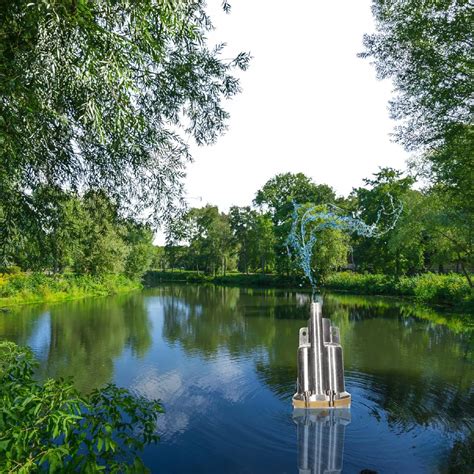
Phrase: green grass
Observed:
(24, 288)
(451, 289)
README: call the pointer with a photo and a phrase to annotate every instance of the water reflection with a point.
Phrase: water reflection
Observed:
(415, 372)
(81, 338)
(223, 360)
(320, 435)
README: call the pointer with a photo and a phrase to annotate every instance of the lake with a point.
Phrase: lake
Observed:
(223, 362)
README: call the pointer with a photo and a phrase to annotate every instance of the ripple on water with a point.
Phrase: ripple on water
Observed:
(411, 415)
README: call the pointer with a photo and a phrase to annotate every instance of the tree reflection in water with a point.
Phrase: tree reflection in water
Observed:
(83, 337)
(406, 366)
(412, 369)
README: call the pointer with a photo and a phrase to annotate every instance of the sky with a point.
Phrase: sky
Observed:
(308, 103)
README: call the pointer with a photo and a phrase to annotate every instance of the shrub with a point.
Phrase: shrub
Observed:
(35, 287)
(428, 288)
(51, 427)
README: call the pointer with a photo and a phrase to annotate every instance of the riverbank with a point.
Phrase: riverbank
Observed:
(25, 288)
(452, 289)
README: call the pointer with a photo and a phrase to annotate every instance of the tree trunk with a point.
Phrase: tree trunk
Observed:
(466, 273)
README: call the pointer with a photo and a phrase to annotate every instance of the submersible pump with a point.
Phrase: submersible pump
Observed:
(320, 382)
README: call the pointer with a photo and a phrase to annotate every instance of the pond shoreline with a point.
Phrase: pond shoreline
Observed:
(22, 289)
(443, 291)
(33, 288)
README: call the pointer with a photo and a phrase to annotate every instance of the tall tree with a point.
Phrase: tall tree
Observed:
(425, 47)
(242, 222)
(278, 195)
(386, 189)
(102, 249)
(210, 244)
(140, 251)
(99, 94)
(262, 238)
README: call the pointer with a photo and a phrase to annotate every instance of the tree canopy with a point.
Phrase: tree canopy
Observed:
(100, 94)
(425, 47)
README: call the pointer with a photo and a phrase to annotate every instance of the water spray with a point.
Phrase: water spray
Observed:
(320, 381)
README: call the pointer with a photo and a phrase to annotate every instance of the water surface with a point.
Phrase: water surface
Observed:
(223, 361)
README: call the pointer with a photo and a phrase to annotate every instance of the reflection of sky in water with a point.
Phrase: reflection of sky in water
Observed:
(226, 373)
(40, 339)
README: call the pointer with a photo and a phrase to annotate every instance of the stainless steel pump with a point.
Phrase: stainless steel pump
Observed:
(320, 382)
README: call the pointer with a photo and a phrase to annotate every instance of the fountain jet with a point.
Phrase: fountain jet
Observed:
(320, 382)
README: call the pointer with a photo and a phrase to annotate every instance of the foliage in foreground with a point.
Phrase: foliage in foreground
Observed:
(38, 287)
(104, 94)
(51, 427)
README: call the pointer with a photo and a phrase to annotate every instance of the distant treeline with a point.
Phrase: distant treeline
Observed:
(432, 234)
(84, 234)
(450, 289)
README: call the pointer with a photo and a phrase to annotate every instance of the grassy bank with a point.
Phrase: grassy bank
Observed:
(23, 288)
(451, 289)
(430, 288)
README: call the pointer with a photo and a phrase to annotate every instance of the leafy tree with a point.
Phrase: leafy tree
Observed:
(222, 244)
(262, 250)
(50, 427)
(375, 202)
(242, 222)
(278, 195)
(57, 227)
(139, 242)
(330, 249)
(426, 49)
(408, 241)
(450, 231)
(97, 94)
(103, 249)
(211, 244)
(159, 260)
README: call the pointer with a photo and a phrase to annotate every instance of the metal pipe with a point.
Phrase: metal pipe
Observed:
(303, 370)
(317, 353)
(326, 330)
(320, 379)
(336, 368)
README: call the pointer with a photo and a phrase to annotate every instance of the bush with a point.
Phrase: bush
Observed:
(452, 289)
(37, 287)
(11, 270)
(51, 427)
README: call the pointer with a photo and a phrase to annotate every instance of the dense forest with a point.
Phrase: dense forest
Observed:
(109, 175)
(81, 234)
(254, 238)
